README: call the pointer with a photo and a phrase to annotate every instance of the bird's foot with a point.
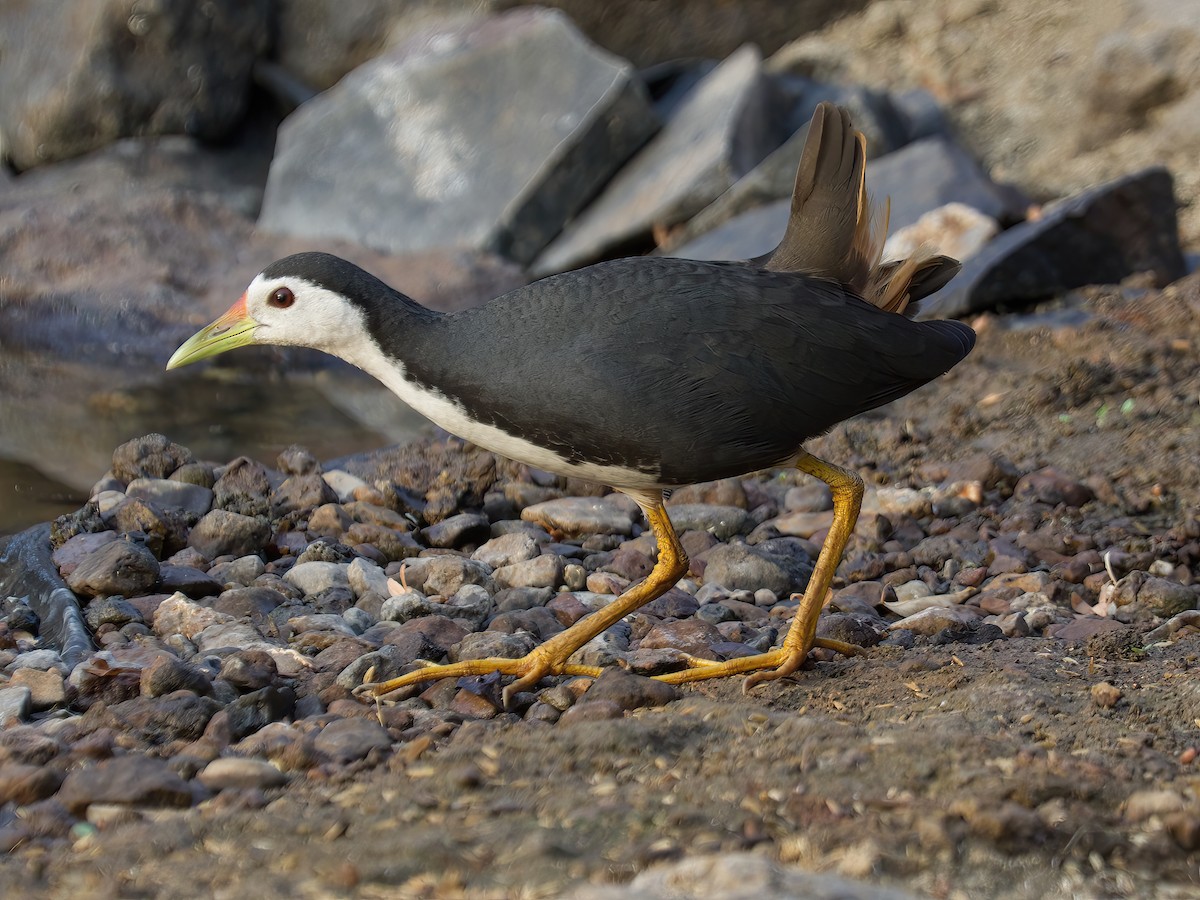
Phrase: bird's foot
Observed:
(530, 669)
(762, 667)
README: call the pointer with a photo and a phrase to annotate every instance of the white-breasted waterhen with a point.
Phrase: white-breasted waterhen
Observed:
(647, 373)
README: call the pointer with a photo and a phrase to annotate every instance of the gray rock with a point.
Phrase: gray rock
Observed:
(135, 780)
(1159, 596)
(78, 76)
(514, 547)
(694, 637)
(111, 611)
(300, 493)
(244, 487)
(250, 712)
(485, 644)
(319, 43)
(315, 577)
(296, 460)
(526, 80)
(14, 704)
(683, 169)
(187, 580)
(629, 691)
(722, 522)
(121, 567)
(734, 876)
(921, 177)
(241, 571)
(179, 615)
(42, 660)
(78, 548)
(409, 605)
(249, 670)
(320, 622)
(191, 498)
(742, 567)
(774, 178)
(580, 516)
(471, 604)
(1098, 236)
(22, 784)
(223, 533)
(387, 662)
(446, 574)
(240, 774)
(367, 577)
(180, 716)
(150, 456)
(46, 686)
(543, 571)
(168, 674)
(346, 740)
(456, 531)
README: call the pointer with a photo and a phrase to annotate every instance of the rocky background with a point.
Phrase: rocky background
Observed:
(177, 652)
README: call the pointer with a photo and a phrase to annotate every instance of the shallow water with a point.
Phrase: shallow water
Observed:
(54, 446)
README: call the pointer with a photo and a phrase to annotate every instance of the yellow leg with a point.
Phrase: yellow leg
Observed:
(847, 489)
(551, 657)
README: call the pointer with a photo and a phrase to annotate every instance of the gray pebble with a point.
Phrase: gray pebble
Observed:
(347, 740)
(484, 644)
(507, 549)
(314, 577)
(542, 571)
(240, 773)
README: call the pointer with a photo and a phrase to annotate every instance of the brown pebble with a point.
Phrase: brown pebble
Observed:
(1105, 695)
(1188, 756)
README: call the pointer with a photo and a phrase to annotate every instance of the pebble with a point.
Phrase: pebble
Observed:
(508, 549)
(180, 615)
(167, 674)
(931, 621)
(544, 571)
(722, 522)
(193, 499)
(445, 575)
(128, 780)
(485, 644)
(46, 686)
(581, 516)
(314, 577)
(241, 571)
(240, 774)
(14, 704)
(347, 740)
(742, 567)
(1105, 695)
(458, 531)
(222, 532)
(119, 567)
(691, 636)
(37, 659)
(22, 784)
(627, 691)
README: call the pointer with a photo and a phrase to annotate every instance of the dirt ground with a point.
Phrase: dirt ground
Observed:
(949, 771)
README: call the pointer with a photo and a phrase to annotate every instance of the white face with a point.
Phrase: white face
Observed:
(296, 312)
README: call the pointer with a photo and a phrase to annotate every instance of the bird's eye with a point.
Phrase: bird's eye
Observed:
(282, 298)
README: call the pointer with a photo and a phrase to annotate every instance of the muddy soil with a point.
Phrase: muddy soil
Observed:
(944, 770)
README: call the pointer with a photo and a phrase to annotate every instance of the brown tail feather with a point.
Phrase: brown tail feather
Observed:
(833, 230)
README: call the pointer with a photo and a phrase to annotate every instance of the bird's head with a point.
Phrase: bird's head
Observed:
(300, 301)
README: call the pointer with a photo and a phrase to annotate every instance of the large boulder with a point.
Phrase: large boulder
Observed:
(1098, 236)
(683, 169)
(78, 76)
(487, 136)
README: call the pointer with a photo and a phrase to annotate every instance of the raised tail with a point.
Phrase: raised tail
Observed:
(833, 231)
